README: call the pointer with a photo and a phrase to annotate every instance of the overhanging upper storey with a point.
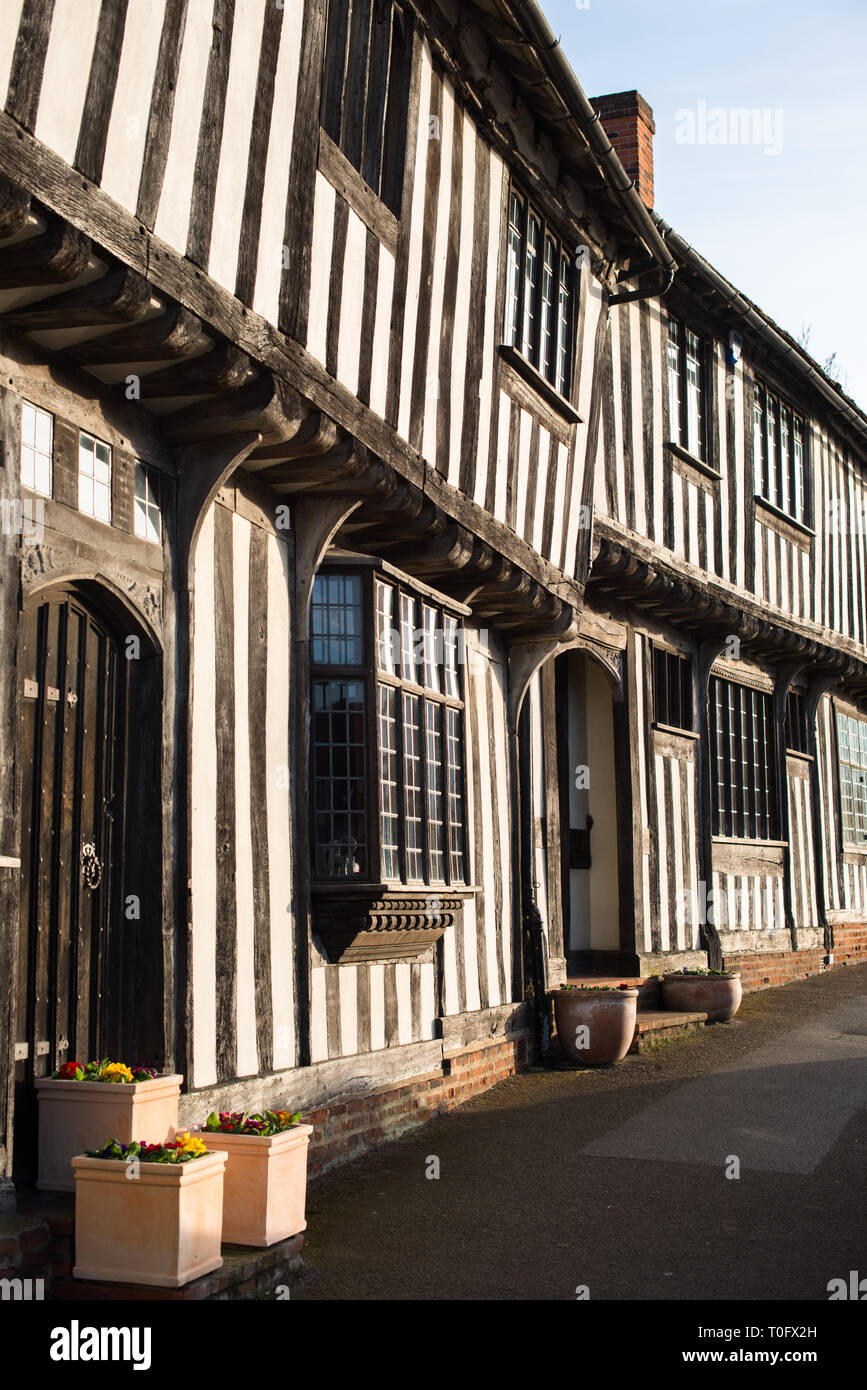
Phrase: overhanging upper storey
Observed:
(722, 298)
(512, 59)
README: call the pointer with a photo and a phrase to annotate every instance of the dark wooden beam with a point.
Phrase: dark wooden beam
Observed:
(58, 254)
(174, 333)
(121, 296)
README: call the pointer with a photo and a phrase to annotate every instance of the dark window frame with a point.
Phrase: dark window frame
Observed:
(365, 94)
(796, 730)
(387, 691)
(744, 803)
(679, 427)
(673, 702)
(522, 324)
(787, 488)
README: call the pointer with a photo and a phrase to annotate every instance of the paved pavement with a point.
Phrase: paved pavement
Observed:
(616, 1179)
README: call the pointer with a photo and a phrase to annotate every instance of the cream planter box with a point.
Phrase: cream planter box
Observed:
(161, 1226)
(78, 1115)
(266, 1184)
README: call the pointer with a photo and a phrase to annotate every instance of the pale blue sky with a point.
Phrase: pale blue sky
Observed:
(782, 227)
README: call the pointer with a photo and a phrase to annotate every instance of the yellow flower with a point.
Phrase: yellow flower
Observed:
(190, 1144)
(117, 1071)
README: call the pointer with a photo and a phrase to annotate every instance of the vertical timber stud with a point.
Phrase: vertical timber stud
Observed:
(202, 469)
(316, 520)
(298, 226)
(564, 786)
(816, 689)
(553, 836)
(707, 654)
(524, 659)
(10, 830)
(784, 675)
(627, 773)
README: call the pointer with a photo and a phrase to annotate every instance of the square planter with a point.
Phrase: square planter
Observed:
(162, 1227)
(266, 1184)
(78, 1115)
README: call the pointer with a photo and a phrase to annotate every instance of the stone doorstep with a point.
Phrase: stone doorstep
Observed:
(653, 1026)
(246, 1271)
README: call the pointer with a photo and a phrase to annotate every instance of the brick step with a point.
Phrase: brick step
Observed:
(655, 1026)
(246, 1273)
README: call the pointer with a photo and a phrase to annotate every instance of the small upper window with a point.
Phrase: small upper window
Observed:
(365, 90)
(779, 455)
(672, 689)
(539, 295)
(94, 477)
(686, 388)
(147, 504)
(796, 721)
(37, 432)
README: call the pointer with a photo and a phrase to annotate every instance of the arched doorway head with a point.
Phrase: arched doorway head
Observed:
(526, 660)
(91, 844)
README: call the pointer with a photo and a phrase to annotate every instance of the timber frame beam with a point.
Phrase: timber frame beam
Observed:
(231, 372)
(629, 573)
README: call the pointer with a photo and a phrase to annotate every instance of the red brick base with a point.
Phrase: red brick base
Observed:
(344, 1129)
(764, 970)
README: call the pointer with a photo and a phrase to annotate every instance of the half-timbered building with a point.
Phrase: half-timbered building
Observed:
(422, 575)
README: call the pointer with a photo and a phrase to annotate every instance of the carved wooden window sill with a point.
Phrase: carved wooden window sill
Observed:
(374, 921)
(798, 532)
(693, 468)
(539, 384)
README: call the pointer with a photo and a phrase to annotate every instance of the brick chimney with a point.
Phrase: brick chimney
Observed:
(628, 123)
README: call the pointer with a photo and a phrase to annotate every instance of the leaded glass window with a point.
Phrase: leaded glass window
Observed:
(686, 388)
(779, 455)
(852, 755)
(540, 289)
(742, 750)
(388, 791)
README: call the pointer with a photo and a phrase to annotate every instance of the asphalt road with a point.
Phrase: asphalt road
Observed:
(616, 1179)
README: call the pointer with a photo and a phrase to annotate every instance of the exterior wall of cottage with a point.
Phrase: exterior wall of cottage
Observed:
(716, 525)
(211, 143)
(245, 805)
(46, 543)
(409, 325)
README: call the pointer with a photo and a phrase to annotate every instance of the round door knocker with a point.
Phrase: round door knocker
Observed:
(90, 866)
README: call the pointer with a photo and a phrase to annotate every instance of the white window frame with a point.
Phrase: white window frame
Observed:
(30, 477)
(92, 478)
(147, 509)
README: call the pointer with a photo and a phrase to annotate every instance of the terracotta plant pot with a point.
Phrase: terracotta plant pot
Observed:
(718, 996)
(78, 1115)
(265, 1188)
(595, 1026)
(162, 1227)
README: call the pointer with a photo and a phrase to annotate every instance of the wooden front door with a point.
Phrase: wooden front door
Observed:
(73, 741)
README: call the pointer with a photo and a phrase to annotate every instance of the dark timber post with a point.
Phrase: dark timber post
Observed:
(707, 654)
(11, 524)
